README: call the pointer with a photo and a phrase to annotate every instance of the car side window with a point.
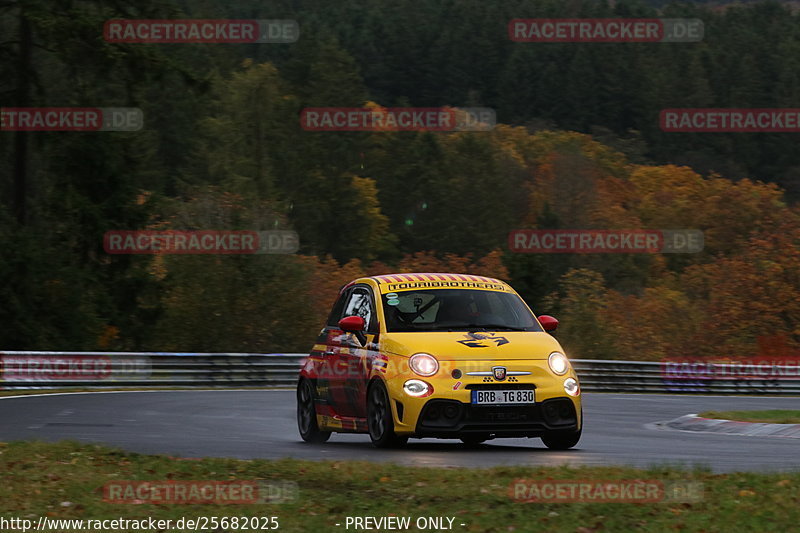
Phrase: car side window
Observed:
(359, 303)
(336, 311)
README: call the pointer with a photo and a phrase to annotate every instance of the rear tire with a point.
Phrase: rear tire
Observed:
(379, 418)
(307, 414)
(561, 440)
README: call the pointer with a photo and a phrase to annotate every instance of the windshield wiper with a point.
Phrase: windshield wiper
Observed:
(495, 327)
(414, 327)
(475, 327)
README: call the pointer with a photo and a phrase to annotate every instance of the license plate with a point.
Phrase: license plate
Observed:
(502, 397)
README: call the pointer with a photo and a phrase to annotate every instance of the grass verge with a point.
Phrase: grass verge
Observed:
(774, 416)
(66, 479)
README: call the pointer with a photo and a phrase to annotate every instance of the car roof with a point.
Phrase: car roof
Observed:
(385, 279)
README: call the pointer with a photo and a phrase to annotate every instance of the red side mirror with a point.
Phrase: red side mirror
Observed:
(352, 324)
(548, 323)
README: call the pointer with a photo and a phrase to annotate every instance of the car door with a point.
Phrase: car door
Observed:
(330, 374)
(350, 356)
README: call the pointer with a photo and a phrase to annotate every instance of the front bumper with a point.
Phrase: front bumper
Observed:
(449, 413)
(450, 419)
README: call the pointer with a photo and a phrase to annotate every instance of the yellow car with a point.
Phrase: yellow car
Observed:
(437, 355)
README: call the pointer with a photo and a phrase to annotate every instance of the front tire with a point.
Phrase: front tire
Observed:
(307, 414)
(379, 418)
(561, 440)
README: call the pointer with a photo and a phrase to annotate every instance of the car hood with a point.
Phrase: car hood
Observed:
(468, 346)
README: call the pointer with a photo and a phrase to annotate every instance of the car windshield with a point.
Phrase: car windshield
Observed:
(456, 310)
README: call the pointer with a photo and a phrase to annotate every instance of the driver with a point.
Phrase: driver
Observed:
(459, 308)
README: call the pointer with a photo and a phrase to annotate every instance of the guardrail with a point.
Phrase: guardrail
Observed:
(23, 369)
(738, 377)
(147, 369)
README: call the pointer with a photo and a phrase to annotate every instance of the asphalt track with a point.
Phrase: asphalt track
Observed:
(261, 424)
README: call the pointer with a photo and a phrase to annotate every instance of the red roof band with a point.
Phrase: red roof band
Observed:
(399, 278)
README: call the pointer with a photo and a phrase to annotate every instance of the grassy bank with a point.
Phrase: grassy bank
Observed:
(65, 480)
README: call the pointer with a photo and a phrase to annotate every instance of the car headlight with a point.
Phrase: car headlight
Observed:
(558, 363)
(571, 387)
(423, 364)
(417, 388)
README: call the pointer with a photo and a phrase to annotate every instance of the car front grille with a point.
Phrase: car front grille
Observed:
(501, 386)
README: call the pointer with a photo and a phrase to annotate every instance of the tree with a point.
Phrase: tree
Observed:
(580, 303)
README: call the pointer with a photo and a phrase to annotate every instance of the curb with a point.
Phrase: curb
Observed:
(697, 424)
